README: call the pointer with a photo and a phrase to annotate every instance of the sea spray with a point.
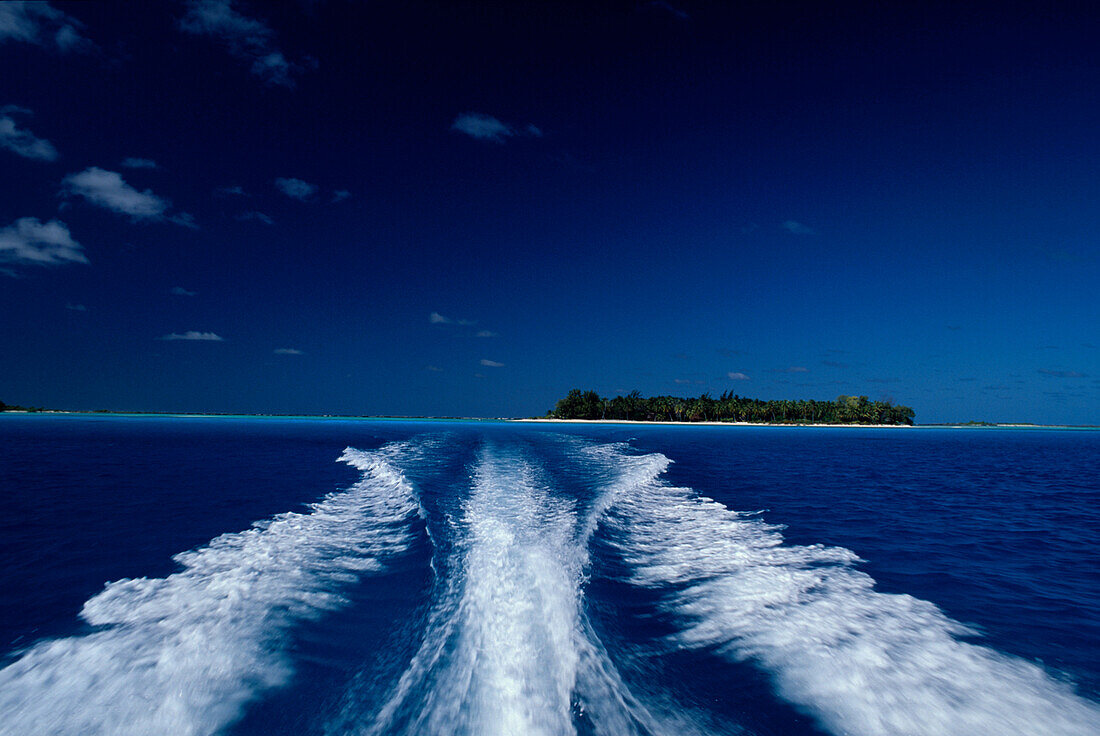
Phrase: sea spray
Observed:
(508, 649)
(861, 662)
(183, 654)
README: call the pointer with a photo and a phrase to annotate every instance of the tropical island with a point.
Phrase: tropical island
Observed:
(729, 407)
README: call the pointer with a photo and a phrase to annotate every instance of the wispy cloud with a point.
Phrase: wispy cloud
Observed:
(107, 189)
(76, 307)
(287, 351)
(180, 291)
(835, 364)
(234, 191)
(192, 335)
(29, 241)
(797, 228)
(487, 333)
(255, 216)
(488, 128)
(21, 141)
(737, 376)
(438, 319)
(139, 163)
(491, 363)
(340, 195)
(433, 369)
(41, 24)
(295, 188)
(1062, 374)
(247, 39)
(790, 369)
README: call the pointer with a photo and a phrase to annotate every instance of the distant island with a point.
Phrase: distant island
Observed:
(729, 407)
(14, 407)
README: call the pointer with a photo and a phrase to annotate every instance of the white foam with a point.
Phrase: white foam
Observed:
(507, 646)
(182, 655)
(862, 662)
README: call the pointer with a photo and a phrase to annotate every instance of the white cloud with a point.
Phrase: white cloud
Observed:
(491, 363)
(340, 195)
(246, 38)
(288, 351)
(433, 369)
(235, 191)
(30, 241)
(185, 219)
(488, 128)
(139, 163)
(257, 216)
(736, 376)
(487, 333)
(22, 141)
(438, 319)
(180, 291)
(797, 228)
(41, 24)
(192, 335)
(107, 189)
(76, 307)
(296, 188)
(482, 127)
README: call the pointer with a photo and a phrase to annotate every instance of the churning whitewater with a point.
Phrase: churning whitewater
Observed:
(508, 639)
(184, 654)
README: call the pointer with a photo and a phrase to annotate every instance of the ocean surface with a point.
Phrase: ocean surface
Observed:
(184, 575)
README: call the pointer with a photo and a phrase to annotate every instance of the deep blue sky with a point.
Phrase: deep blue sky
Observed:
(467, 209)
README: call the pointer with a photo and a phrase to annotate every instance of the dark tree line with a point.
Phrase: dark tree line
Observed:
(730, 408)
(14, 407)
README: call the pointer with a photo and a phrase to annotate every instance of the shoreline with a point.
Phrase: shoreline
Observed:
(544, 420)
(710, 424)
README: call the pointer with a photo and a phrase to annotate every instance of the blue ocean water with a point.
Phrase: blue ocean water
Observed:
(187, 575)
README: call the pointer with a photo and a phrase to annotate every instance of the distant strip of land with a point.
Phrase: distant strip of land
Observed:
(730, 409)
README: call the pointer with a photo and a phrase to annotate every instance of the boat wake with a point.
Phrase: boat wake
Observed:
(861, 662)
(509, 642)
(183, 654)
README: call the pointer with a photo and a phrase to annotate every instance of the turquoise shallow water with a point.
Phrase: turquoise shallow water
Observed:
(247, 576)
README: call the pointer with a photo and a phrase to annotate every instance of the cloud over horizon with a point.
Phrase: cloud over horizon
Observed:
(484, 127)
(21, 141)
(192, 335)
(30, 241)
(107, 189)
(255, 216)
(139, 163)
(247, 39)
(295, 188)
(436, 318)
(797, 228)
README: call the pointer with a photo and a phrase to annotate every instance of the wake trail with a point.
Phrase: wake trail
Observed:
(184, 654)
(861, 662)
(507, 648)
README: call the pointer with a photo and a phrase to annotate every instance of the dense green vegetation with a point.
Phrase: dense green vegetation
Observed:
(13, 407)
(729, 408)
